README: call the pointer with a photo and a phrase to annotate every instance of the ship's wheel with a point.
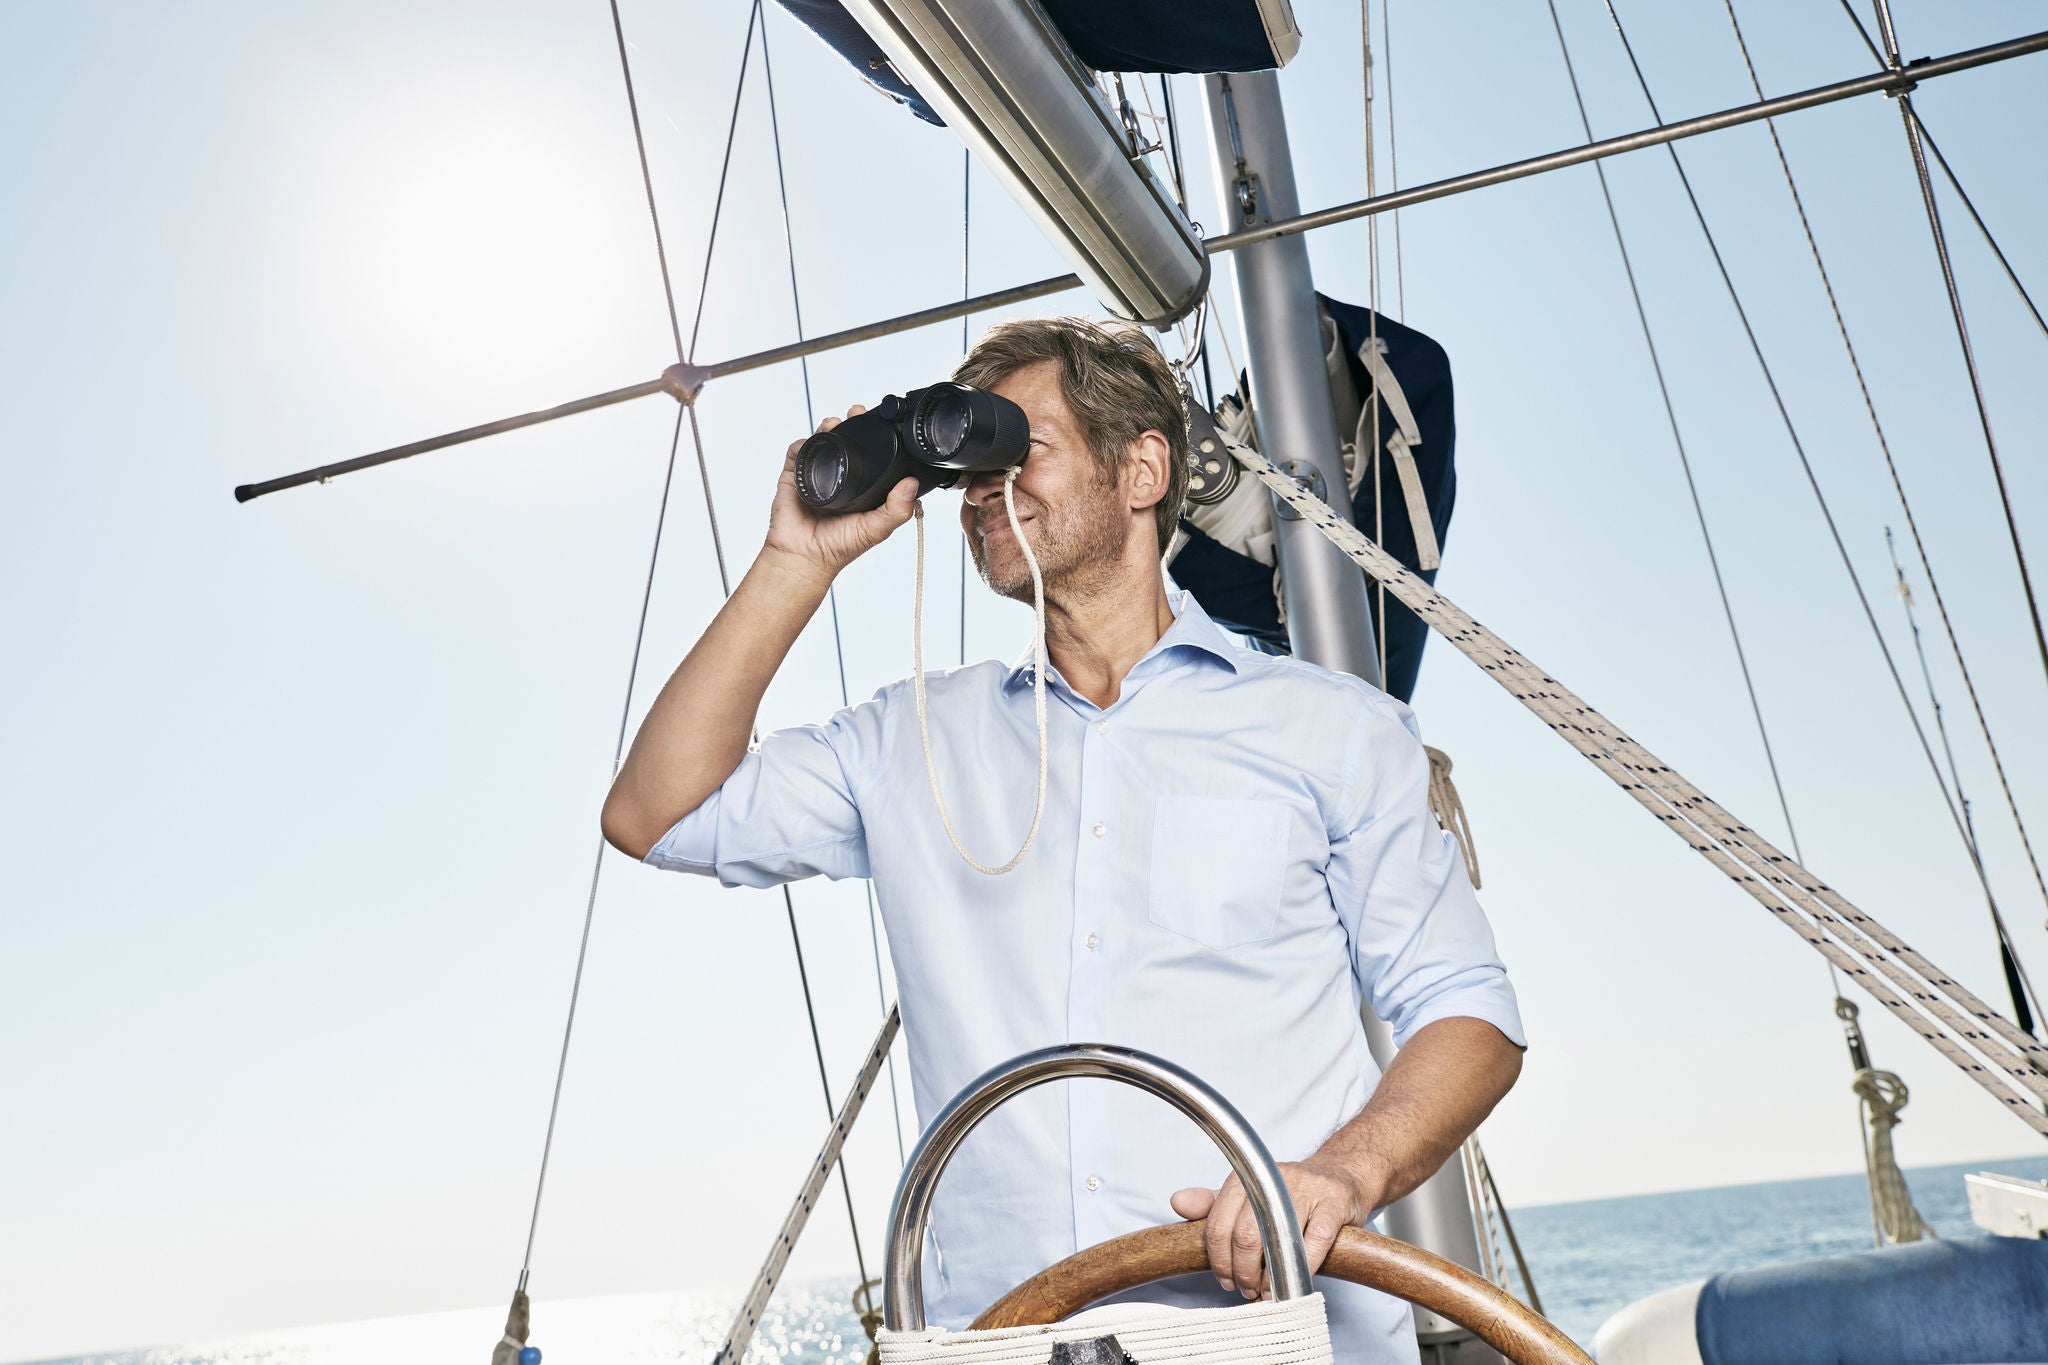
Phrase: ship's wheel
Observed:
(1368, 1258)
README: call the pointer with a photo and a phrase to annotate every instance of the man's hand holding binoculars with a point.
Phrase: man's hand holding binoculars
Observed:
(814, 543)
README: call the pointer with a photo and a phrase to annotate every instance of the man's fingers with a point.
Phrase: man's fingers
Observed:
(1319, 1234)
(1193, 1203)
(878, 525)
(1216, 1236)
(1247, 1253)
(830, 422)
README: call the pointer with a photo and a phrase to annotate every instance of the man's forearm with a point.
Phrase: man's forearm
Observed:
(1441, 1085)
(697, 731)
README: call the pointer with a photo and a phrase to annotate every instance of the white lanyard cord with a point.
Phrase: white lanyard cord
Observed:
(924, 729)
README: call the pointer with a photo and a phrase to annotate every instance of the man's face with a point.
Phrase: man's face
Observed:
(1077, 520)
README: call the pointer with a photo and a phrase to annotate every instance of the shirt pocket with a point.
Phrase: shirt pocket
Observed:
(1219, 865)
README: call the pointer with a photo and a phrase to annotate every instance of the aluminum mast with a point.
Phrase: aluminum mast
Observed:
(1328, 620)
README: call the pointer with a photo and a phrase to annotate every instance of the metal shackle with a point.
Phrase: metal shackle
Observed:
(1279, 1232)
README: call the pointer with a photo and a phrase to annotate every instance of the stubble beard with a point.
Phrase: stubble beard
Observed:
(1076, 543)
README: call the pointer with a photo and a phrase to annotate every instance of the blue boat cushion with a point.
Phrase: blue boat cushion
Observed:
(1968, 1299)
(1131, 35)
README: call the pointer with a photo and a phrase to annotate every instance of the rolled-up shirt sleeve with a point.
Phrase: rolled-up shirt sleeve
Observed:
(791, 809)
(1421, 948)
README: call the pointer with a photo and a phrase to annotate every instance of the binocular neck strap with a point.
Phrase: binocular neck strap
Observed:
(924, 729)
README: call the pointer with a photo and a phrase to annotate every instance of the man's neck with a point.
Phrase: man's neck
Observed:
(1095, 633)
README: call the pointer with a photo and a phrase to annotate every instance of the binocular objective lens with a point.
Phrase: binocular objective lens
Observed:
(944, 422)
(822, 473)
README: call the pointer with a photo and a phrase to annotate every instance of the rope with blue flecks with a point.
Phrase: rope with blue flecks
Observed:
(1983, 1044)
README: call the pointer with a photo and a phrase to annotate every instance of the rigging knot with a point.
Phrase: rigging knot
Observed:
(870, 1317)
(684, 381)
(1883, 1095)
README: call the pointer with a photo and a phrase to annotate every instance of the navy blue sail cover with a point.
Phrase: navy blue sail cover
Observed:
(1129, 35)
(1165, 35)
(843, 34)
(1237, 590)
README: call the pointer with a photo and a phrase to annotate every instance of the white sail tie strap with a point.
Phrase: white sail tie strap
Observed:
(1038, 666)
(1985, 1045)
(1292, 1332)
(1401, 446)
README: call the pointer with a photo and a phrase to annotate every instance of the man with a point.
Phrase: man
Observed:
(1235, 849)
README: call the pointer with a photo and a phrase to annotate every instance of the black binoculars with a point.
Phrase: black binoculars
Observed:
(937, 435)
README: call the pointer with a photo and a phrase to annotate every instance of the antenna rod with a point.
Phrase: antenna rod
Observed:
(684, 381)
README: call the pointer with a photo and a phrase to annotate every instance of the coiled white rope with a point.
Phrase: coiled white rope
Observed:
(1985, 1045)
(1883, 1095)
(1449, 809)
(1294, 1332)
(924, 729)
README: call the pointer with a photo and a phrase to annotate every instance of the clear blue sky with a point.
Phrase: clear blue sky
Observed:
(301, 796)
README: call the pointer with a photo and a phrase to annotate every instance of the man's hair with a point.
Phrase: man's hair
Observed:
(1116, 383)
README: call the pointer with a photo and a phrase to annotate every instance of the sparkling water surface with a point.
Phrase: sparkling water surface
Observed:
(1587, 1259)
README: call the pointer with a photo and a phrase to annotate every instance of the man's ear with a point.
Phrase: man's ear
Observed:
(1148, 461)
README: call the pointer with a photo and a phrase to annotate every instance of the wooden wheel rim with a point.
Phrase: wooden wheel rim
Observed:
(1377, 1262)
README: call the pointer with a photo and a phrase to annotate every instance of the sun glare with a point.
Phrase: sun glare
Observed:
(457, 223)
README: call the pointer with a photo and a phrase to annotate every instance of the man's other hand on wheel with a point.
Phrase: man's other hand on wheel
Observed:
(1327, 1199)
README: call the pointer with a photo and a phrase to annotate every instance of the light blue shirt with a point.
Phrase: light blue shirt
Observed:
(1232, 857)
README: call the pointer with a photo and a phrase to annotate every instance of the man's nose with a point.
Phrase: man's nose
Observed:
(982, 485)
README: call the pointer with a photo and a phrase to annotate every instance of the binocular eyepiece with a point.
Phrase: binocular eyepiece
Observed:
(937, 435)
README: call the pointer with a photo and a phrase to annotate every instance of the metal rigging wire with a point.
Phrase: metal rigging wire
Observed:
(2009, 960)
(646, 593)
(1799, 449)
(2016, 978)
(1180, 188)
(1691, 486)
(1372, 328)
(966, 292)
(1678, 443)
(1954, 183)
(1955, 305)
(1394, 159)
(838, 643)
(796, 938)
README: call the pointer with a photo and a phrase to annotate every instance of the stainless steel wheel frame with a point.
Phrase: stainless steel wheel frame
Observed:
(903, 1268)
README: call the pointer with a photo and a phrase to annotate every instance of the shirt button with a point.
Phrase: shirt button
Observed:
(1093, 1182)
(1100, 829)
(1094, 942)
(1101, 727)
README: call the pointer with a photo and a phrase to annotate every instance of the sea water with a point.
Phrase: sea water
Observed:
(1587, 1260)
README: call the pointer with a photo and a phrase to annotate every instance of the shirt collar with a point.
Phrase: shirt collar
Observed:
(1192, 633)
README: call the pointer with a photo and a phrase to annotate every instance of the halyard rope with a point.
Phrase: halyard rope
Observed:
(1038, 668)
(2008, 1063)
